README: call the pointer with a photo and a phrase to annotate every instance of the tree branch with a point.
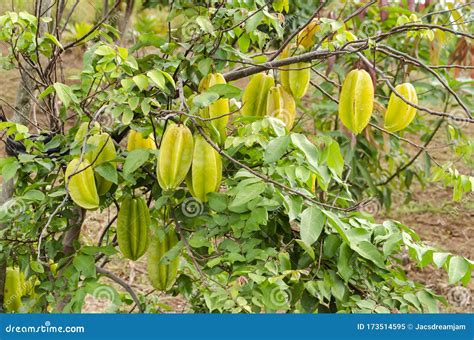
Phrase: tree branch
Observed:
(122, 283)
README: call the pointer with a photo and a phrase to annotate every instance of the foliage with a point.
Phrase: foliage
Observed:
(287, 230)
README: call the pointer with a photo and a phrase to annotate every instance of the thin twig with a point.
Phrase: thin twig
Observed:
(121, 282)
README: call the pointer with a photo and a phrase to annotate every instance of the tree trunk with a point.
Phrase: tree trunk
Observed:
(125, 20)
(21, 115)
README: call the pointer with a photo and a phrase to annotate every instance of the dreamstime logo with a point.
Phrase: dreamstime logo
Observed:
(369, 29)
(109, 199)
(284, 115)
(102, 298)
(460, 124)
(23, 287)
(289, 20)
(371, 207)
(280, 297)
(106, 120)
(192, 207)
(14, 207)
(445, 220)
(190, 30)
(459, 296)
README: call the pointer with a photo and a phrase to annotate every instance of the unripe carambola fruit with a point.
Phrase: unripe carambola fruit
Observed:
(81, 186)
(82, 131)
(206, 171)
(254, 99)
(133, 224)
(281, 105)
(103, 150)
(162, 276)
(218, 108)
(295, 78)
(306, 37)
(356, 100)
(399, 114)
(176, 154)
(14, 289)
(137, 141)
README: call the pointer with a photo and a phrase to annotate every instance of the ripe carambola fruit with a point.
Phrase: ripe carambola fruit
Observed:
(81, 185)
(137, 141)
(399, 114)
(281, 105)
(176, 155)
(103, 150)
(356, 100)
(254, 99)
(218, 108)
(162, 275)
(206, 171)
(295, 78)
(306, 37)
(14, 289)
(133, 224)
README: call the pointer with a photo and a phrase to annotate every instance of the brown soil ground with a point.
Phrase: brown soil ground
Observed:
(446, 225)
(439, 221)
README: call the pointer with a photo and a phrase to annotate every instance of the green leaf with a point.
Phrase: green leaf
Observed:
(247, 194)
(226, 91)
(145, 106)
(410, 297)
(331, 244)
(158, 78)
(123, 52)
(338, 288)
(104, 50)
(428, 301)
(54, 40)
(36, 267)
(335, 160)
(370, 252)
(205, 99)
(308, 250)
(133, 102)
(10, 168)
(309, 149)
(107, 171)
(127, 84)
(127, 116)
(65, 94)
(134, 160)
(276, 149)
(458, 267)
(253, 21)
(204, 65)
(46, 92)
(85, 264)
(34, 195)
(344, 265)
(217, 201)
(293, 205)
(169, 78)
(205, 24)
(440, 258)
(142, 81)
(244, 42)
(171, 254)
(93, 250)
(337, 224)
(312, 223)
